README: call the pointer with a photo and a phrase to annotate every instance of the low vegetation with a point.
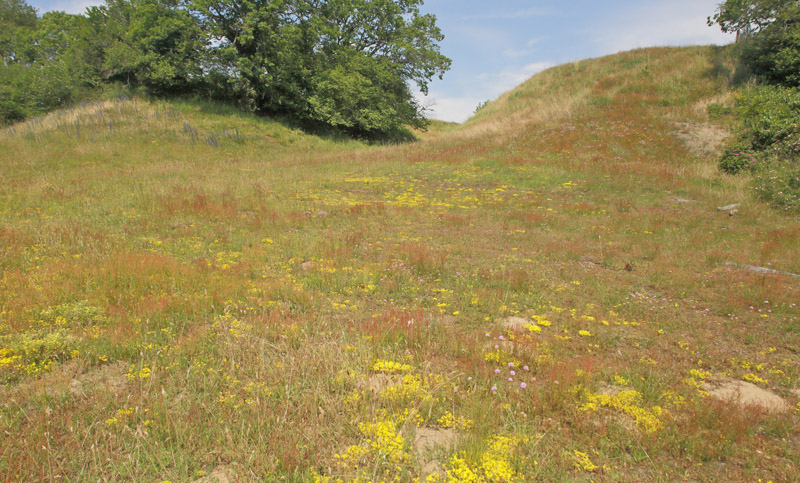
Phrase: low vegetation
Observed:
(190, 292)
(768, 107)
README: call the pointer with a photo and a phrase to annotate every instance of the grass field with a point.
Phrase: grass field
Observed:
(546, 293)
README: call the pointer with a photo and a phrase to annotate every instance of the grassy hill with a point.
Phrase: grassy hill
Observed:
(190, 293)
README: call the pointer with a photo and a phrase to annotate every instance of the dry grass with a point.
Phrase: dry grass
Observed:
(187, 292)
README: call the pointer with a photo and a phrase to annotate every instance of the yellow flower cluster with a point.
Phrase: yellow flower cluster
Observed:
(449, 421)
(382, 444)
(32, 353)
(630, 403)
(390, 367)
(409, 388)
(755, 379)
(492, 466)
(582, 462)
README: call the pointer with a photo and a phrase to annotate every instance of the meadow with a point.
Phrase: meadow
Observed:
(545, 293)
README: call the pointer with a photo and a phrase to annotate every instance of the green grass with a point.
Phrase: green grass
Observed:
(186, 288)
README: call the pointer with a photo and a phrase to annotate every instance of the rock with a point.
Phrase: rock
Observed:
(762, 270)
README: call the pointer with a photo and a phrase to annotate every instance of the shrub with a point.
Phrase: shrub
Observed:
(777, 182)
(769, 144)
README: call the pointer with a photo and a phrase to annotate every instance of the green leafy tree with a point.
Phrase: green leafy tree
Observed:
(17, 21)
(770, 30)
(156, 44)
(753, 16)
(342, 63)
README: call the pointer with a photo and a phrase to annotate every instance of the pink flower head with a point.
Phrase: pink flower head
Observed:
(526, 368)
(523, 385)
(510, 364)
(513, 373)
(494, 388)
(510, 379)
(497, 371)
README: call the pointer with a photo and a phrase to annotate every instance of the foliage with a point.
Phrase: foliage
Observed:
(343, 63)
(774, 55)
(17, 20)
(769, 142)
(156, 44)
(753, 16)
(770, 34)
(777, 182)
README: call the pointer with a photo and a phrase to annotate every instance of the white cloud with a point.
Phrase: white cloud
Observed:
(453, 109)
(673, 23)
(486, 86)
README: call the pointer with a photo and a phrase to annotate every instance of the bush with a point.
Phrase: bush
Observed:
(769, 144)
(777, 182)
(738, 156)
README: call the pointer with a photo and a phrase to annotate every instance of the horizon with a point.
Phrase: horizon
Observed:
(496, 48)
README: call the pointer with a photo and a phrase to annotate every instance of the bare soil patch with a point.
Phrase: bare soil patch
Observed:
(746, 394)
(110, 378)
(515, 323)
(426, 441)
(377, 383)
(221, 474)
(702, 139)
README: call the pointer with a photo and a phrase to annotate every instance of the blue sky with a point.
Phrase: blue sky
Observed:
(496, 45)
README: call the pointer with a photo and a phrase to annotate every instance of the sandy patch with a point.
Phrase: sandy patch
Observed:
(221, 474)
(68, 377)
(110, 377)
(377, 383)
(515, 323)
(426, 442)
(702, 139)
(746, 394)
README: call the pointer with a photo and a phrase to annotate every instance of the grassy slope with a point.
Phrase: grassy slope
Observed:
(173, 302)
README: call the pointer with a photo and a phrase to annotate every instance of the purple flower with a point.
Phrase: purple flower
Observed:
(510, 364)
(523, 385)
(510, 379)
(497, 371)
(526, 368)
(494, 388)
(469, 378)
(513, 373)
(501, 337)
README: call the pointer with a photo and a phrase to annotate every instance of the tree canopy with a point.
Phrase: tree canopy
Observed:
(350, 65)
(771, 36)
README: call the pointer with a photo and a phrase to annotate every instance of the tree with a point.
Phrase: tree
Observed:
(342, 63)
(753, 16)
(156, 44)
(771, 36)
(17, 21)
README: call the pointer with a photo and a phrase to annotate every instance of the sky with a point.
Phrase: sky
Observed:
(496, 45)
